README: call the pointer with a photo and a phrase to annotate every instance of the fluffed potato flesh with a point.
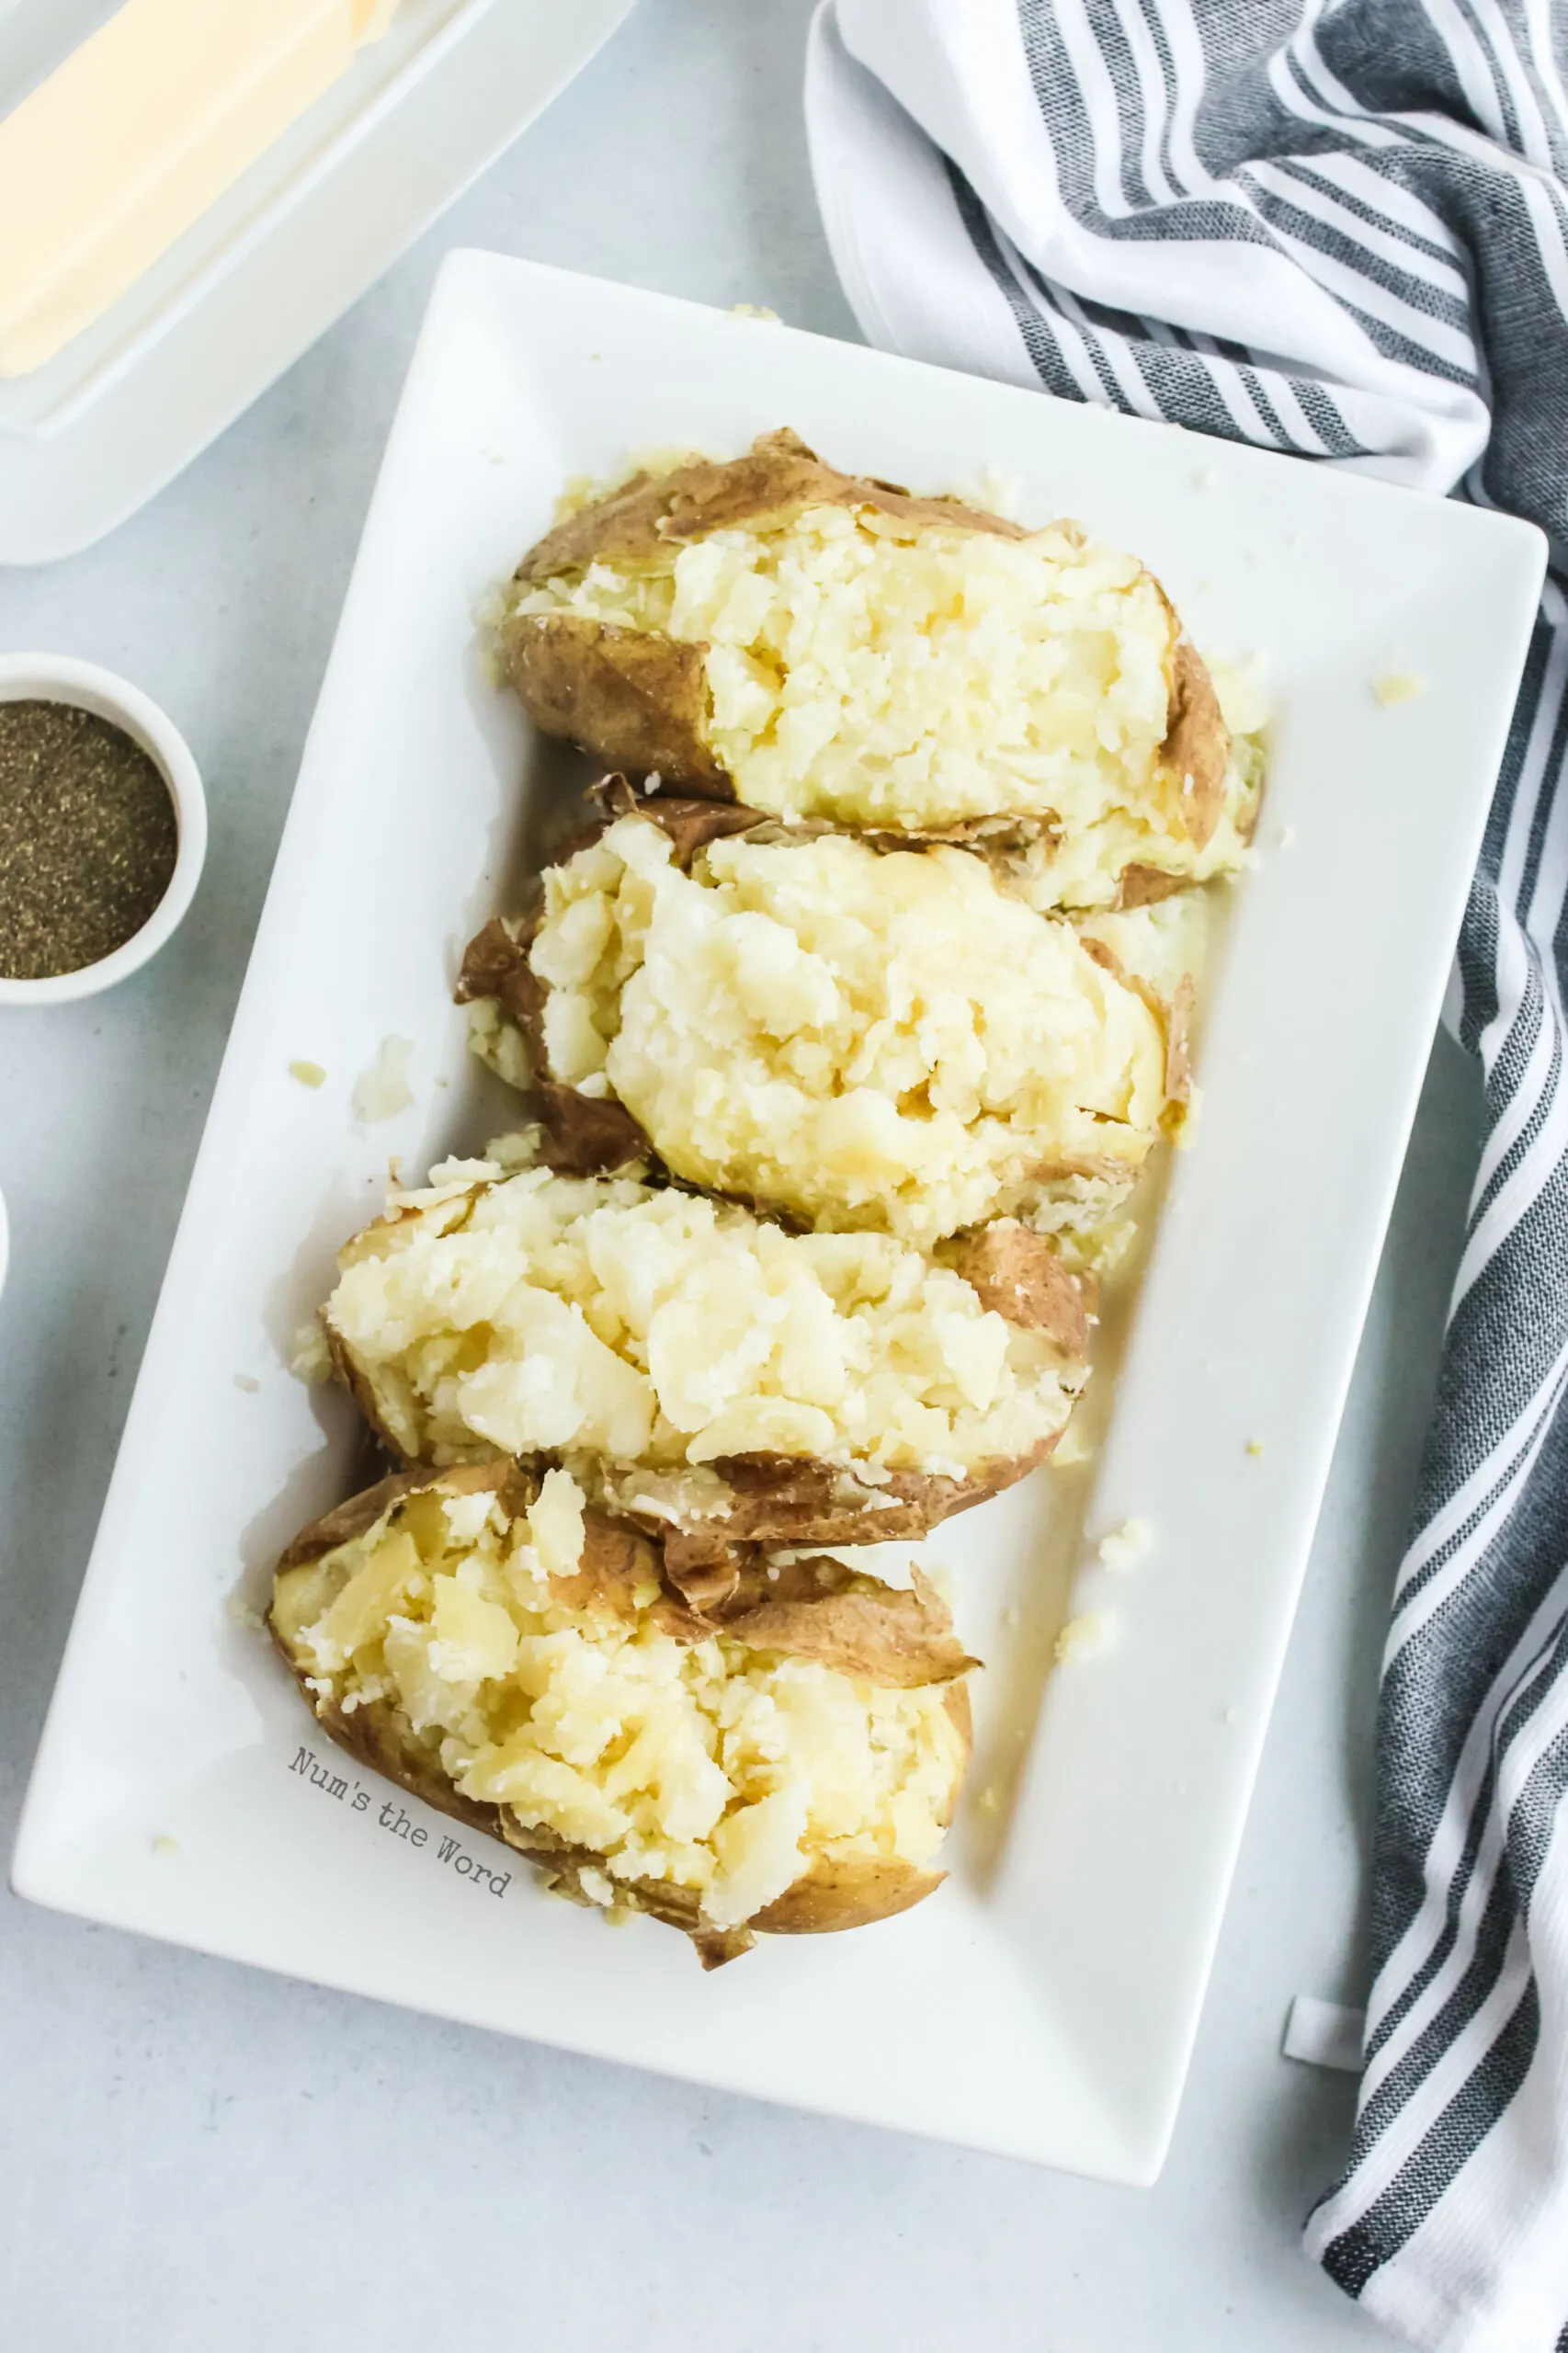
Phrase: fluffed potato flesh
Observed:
(520, 1660)
(506, 1310)
(860, 1038)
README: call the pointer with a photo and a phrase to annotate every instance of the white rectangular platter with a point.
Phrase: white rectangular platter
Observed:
(1043, 2003)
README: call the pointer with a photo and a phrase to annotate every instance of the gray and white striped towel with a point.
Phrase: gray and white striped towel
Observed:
(1340, 231)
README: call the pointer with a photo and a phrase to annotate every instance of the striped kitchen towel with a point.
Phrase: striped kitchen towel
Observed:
(1340, 231)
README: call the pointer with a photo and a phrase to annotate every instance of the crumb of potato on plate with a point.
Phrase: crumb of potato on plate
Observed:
(1088, 1635)
(247, 1382)
(241, 1612)
(163, 1844)
(1287, 837)
(988, 1802)
(1124, 1547)
(1206, 478)
(309, 1358)
(1254, 1447)
(382, 1091)
(308, 1073)
(754, 310)
(1390, 687)
(1002, 491)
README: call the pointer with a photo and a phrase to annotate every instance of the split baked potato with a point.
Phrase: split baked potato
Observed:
(697, 1367)
(847, 1033)
(776, 1750)
(812, 644)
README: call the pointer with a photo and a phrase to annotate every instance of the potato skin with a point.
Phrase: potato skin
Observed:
(635, 698)
(1195, 753)
(776, 480)
(816, 1609)
(777, 1499)
(846, 1895)
(793, 1499)
(1015, 1270)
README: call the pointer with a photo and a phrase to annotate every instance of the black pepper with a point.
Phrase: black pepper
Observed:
(88, 838)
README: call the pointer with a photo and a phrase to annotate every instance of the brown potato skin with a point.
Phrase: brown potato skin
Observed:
(1174, 1015)
(1196, 753)
(586, 1136)
(639, 701)
(793, 1499)
(1014, 1271)
(846, 1895)
(635, 700)
(861, 1627)
(778, 478)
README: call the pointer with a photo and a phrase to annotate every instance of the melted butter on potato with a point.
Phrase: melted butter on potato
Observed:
(524, 1312)
(862, 1038)
(702, 1764)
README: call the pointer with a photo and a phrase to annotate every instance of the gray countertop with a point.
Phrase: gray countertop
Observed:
(195, 2155)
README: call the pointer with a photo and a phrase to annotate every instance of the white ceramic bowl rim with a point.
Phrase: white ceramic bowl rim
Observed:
(57, 677)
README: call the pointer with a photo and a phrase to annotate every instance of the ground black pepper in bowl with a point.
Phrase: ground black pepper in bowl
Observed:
(88, 838)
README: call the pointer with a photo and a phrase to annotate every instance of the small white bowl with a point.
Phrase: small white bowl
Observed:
(55, 677)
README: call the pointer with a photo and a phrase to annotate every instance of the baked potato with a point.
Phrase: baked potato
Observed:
(849, 1034)
(812, 644)
(698, 1367)
(778, 1751)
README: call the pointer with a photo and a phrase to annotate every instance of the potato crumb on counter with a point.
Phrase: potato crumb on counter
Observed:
(1390, 687)
(382, 1090)
(163, 1844)
(1254, 1447)
(308, 1073)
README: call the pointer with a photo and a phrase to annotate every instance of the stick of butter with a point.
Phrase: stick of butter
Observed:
(141, 128)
